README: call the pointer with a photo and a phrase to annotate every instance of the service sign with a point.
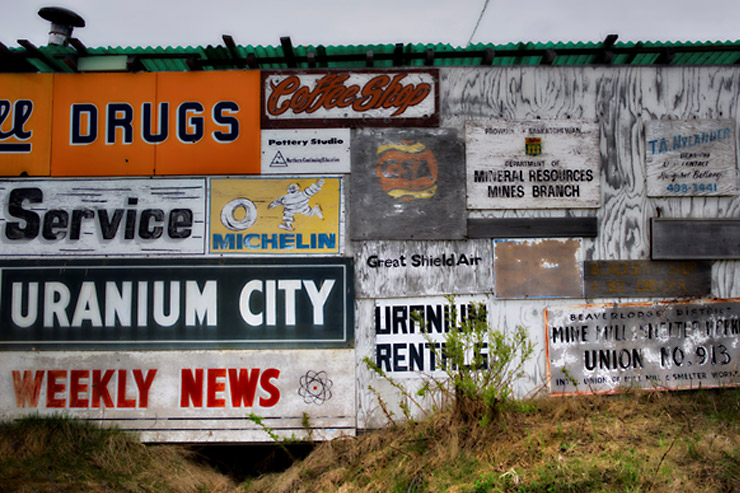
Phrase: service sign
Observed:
(96, 217)
(156, 123)
(646, 278)
(339, 98)
(690, 158)
(407, 184)
(410, 333)
(276, 216)
(320, 150)
(611, 348)
(187, 396)
(533, 164)
(420, 268)
(175, 304)
(25, 124)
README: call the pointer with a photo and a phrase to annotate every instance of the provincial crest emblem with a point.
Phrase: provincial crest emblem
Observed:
(533, 146)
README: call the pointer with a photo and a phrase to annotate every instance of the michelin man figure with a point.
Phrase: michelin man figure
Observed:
(296, 202)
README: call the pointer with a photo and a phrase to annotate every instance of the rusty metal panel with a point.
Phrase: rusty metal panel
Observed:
(669, 345)
(645, 278)
(532, 164)
(187, 396)
(386, 269)
(678, 239)
(690, 158)
(342, 98)
(101, 217)
(546, 268)
(407, 185)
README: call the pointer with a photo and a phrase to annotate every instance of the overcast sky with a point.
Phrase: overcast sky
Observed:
(347, 22)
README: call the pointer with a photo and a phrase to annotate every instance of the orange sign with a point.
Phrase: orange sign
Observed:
(25, 124)
(144, 124)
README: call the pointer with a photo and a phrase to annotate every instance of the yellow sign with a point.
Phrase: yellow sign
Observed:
(293, 216)
(25, 124)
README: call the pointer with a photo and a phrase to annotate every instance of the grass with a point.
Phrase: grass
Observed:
(641, 441)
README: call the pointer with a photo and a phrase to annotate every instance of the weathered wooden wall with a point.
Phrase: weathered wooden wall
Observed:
(620, 100)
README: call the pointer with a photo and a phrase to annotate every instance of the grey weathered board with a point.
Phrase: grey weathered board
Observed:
(533, 227)
(645, 278)
(420, 268)
(695, 238)
(407, 185)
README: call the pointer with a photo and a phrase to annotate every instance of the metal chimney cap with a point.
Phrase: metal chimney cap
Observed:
(60, 15)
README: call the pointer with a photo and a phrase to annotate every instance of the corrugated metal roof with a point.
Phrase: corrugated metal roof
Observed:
(29, 58)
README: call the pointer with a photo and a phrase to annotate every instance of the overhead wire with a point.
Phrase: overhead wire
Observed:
(482, 12)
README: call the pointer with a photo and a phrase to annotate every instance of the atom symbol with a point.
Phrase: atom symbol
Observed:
(315, 387)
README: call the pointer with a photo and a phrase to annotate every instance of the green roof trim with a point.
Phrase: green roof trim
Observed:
(60, 59)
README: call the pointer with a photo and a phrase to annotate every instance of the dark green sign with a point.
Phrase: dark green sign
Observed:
(183, 303)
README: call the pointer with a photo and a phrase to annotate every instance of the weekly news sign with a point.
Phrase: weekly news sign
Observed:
(338, 98)
(166, 304)
(187, 396)
(610, 347)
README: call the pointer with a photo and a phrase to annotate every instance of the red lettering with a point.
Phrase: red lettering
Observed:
(267, 386)
(243, 386)
(28, 388)
(76, 387)
(121, 391)
(330, 92)
(214, 386)
(192, 388)
(144, 384)
(100, 388)
(53, 388)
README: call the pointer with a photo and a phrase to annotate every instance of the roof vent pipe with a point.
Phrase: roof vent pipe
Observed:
(63, 21)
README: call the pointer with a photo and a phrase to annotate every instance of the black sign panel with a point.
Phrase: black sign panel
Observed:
(407, 185)
(677, 239)
(185, 303)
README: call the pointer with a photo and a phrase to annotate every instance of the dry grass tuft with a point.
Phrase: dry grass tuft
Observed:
(643, 441)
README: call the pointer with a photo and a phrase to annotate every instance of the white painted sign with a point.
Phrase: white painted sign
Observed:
(417, 268)
(187, 396)
(318, 151)
(690, 158)
(532, 164)
(609, 348)
(97, 217)
(410, 333)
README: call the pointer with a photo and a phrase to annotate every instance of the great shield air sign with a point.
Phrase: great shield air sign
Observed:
(312, 99)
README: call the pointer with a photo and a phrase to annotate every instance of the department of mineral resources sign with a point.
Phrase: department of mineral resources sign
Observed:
(96, 217)
(321, 98)
(690, 158)
(610, 348)
(410, 333)
(171, 304)
(319, 151)
(187, 396)
(416, 268)
(532, 164)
